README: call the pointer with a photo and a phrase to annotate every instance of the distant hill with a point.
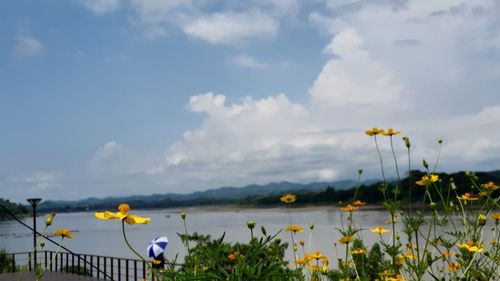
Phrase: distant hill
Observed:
(218, 195)
(495, 174)
(256, 195)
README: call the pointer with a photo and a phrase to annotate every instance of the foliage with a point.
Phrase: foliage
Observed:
(214, 259)
(78, 270)
(16, 209)
(6, 262)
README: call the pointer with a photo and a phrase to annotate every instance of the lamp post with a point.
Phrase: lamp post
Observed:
(34, 202)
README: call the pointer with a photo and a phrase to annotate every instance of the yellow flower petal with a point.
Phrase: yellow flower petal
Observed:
(106, 215)
(132, 219)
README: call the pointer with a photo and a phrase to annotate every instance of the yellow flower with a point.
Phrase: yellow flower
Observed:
(467, 197)
(471, 246)
(288, 198)
(490, 185)
(409, 255)
(349, 208)
(390, 132)
(374, 131)
(452, 267)
(124, 208)
(397, 277)
(428, 179)
(232, 256)
(50, 218)
(358, 203)
(300, 261)
(358, 251)
(481, 218)
(154, 261)
(346, 239)
(495, 216)
(122, 215)
(411, 245)
(63, 233)
(379, 230)
(294, 228)
(317, 255)
(448, 254)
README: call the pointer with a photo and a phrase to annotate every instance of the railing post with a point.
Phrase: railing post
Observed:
(119, 270)
(13, 263)
(85, 262)
(45, 258)
(61, 257)
(104, 267)
(67, 262)
(29, 261)
(112, 269)
(51, 254)
(126, 269)
(78, 261)
(73, 263)
(135, 270)
(143, 270)
(98, 266)
(56, 266)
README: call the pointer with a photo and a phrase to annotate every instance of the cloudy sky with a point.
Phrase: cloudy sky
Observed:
(120, 97)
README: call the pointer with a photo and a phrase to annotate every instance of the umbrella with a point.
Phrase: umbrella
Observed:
(157, 246)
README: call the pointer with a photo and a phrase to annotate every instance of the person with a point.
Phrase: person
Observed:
(159, 261)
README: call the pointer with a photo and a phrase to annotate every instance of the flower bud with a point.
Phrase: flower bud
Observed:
(50, 218)
(407, 142)
(42, 244)
(481, 219)
(302, 243)
(183, 215)
(311, 225)
(251, 224)
(360, 171)
(277, 239)
(295, 248)
(263, 230)
(426, 165)
(432, 205)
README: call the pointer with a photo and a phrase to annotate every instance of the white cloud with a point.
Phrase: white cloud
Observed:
(289, 8)
(37, 183)
(355, 77)
(222, 23)
(247, 61)
(107, 151)
(231, 27)
(27, 46)
(99, 7)
(154, 12)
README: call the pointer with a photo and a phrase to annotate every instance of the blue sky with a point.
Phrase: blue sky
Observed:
(119, 97)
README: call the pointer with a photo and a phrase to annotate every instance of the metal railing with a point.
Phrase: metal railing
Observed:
(100, 267)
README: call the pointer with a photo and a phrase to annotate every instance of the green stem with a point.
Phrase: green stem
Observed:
(135, 252)
(186, 233)
(380, 158)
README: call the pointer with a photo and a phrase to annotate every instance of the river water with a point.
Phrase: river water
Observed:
(98, 237)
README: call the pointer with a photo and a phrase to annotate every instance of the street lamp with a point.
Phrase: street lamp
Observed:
(34, 202)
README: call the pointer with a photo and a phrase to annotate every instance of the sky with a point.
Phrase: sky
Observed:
(120, 97)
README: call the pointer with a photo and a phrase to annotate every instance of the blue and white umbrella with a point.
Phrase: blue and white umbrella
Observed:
(157, 246)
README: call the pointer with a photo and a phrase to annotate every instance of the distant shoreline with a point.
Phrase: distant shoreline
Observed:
(238, 208)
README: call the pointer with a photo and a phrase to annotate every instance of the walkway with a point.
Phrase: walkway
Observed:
(48, 276)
